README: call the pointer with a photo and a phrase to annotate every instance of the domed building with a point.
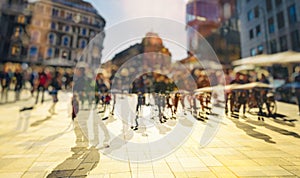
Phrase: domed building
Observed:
(151, 49)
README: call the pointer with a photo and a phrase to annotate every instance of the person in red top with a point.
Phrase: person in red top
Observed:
(41, 85)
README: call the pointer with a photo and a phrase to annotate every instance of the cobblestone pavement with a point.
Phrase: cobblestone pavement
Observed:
(46, 145)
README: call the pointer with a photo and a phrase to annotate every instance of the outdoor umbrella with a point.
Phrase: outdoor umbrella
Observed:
(244, 68)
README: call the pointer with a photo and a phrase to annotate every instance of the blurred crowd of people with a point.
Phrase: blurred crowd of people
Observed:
(36, 80)
(94, 87)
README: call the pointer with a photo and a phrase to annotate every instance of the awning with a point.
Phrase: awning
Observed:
(286, 57)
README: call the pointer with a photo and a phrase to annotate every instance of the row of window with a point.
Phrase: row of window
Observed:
(65, 28)
(34, 51)
(256, 51)
(257, 30)
(67, 15)
(280, 22)
(269, 4)
(52, 39)
(283, 44)
(49, 53)
(291, 11)
(68, 29)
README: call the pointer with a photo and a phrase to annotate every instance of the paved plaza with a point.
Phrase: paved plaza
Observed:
(46, 145)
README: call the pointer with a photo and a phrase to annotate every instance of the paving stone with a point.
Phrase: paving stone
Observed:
(69, 164)
(51, 149)
(83, 169)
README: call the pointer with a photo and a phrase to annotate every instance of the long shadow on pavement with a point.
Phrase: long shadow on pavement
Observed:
(250, 130)
(82, 161)
(39, 122)
(284, 120)
(274, 128)
(279, 118)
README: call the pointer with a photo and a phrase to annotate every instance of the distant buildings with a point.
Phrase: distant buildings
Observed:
(269, 26)
(151, 49)
(217, 22)
(54, 29)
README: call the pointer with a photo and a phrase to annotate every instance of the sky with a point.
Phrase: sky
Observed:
(118, 12)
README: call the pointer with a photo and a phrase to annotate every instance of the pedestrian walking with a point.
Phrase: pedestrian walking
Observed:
(41, 85)
(19, 83)
(55, 87)
(5, 83)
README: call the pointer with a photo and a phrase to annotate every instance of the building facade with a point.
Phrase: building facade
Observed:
(14, 39)
(269, 26)
(217, 22)
(151, 49)
(60, 29)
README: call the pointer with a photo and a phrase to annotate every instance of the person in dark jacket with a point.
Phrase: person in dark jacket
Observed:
(19, 83)
(5, 83)
(56, 86)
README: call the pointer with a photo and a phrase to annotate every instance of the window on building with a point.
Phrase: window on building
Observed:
(50, 53)
(251, 34)
(15, 50)
(65, 54)
(280, 20)
(69, 16)
(292, 14)
(273, 45)
(55, 12)
(52, 38)
(33, 51)
(256, 12)
(258, 30)
(18, 32)
(85, 19)
(250, 15)
(21, 19)
(60, 27)
(67, 28)
(252, 52)
(283, 43)
(92, 33)
(62, 14)
(278, 3)
(271, 25)
(269, 5)
(295, 40)
(84, 31)
(82, 43)
(53, 26)
(260, 49)
(66, 41)
(57, 52)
